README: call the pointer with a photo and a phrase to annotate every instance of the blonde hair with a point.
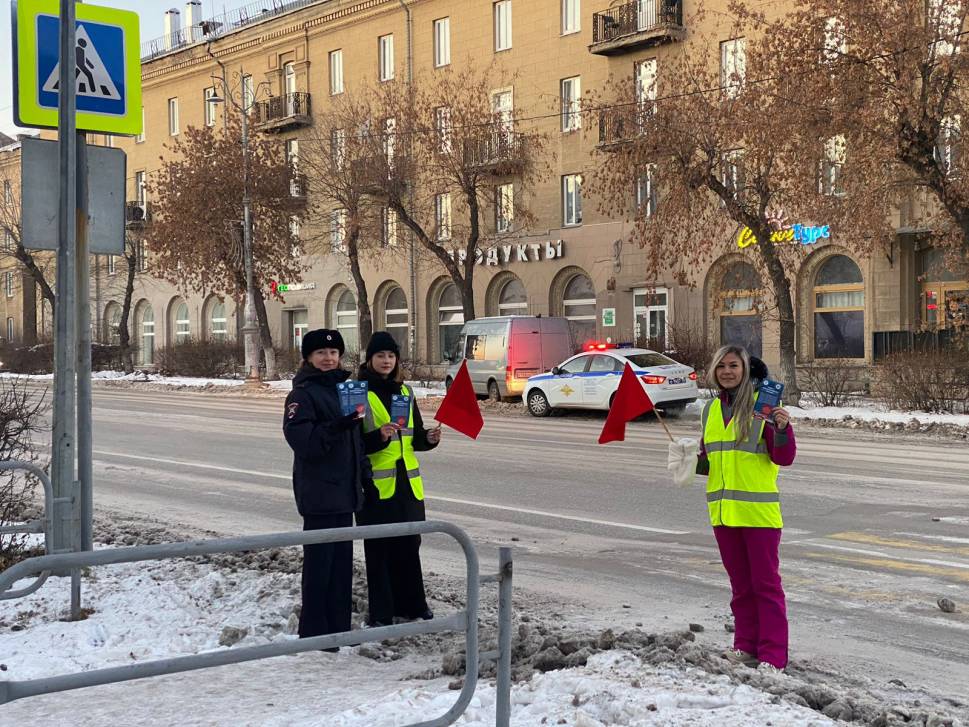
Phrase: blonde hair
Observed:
(743, 395)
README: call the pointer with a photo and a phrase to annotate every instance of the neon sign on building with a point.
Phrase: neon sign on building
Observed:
(794, 235)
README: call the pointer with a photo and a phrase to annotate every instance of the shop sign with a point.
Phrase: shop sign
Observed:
(608, 317)
(533, 252)
(290, 287)
(794, 235)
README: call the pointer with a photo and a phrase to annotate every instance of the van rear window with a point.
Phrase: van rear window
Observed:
(645, 360)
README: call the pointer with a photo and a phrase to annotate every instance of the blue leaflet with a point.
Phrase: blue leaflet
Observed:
(353, 397)
(400, 409)
(768, 399)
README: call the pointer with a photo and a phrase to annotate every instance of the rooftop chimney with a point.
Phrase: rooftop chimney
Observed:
(173, 29)
(193, 18)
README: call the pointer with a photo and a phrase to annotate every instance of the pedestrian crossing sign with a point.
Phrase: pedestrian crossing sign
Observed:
(107, 67)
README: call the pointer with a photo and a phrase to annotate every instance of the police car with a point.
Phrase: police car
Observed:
(589, 380)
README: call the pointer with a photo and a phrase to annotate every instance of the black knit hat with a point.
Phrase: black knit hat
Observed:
(321, 338)
(382, 341)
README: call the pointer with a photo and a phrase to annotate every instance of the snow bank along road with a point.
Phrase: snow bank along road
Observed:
(877, 528)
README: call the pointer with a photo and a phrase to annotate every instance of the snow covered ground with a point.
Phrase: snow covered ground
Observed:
(150, 611)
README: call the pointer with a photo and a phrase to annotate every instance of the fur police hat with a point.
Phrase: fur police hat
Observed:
(321, 338)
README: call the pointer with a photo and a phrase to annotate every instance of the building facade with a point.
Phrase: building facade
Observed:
(573, 261)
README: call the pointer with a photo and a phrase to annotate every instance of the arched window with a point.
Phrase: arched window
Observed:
(396, 319)
(218, 323)
(112, 323)
(512, 300)
(450, 317)
(945, 293)
(739, 308)
(146, 334)
(346, 320)
(181, 324)
(839, 309)
(579, 306)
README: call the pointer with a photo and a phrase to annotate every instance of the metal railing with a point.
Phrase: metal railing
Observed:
(465, 620)
(292, 105)
(641, 16)
(499, 149)
(52, 506)
(623, 123)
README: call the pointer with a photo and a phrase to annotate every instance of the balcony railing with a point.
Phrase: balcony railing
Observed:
(500, 153)
(639, 24)
(297, 186)
(622, 124)
(283, 112)
(136, 214)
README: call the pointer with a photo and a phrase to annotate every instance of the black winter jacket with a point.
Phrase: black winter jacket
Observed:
(329, 464)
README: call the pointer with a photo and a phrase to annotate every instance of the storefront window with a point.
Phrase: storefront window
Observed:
(218, 330)
(346, 320)
(739, 309)
(183, 326)
(839, 310)
(512, 300)
(299, 325)
(396, 319)
(450, 317)
(146, 334)
(112, 322)
(579, 306)
(945, 294)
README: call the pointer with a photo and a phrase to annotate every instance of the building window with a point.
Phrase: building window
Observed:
(248, 93)
(832, 165)
(835, 40)
(141, 137)
(512, 300)
(946, 22)
(945, 294)
(651, 316)
(183, 325)
(338, 230)
(298, 326)
(140, 187)
(336, 72)
(338, 148)
(502, 25)
(442, 124)
(112, 264)
(504, 207)
(733, 173)
(450, 317)
(502, 107)
(146, 335)
(218, 323)
(296, 188)
(208, 106)
(388, 225)
(644, 73)
(112, 324)
(390, 142)
(442, 216)
(141, 256)
(947, 146)
(741, 323)
(571, 99)
(396, 318)
(173, 117)
(647, 197)
(7, 192)
(839, 309)
(733, 66)
(385, 46)
(8, 284)
(571, 16)
(10, 330)
(346, 321)
(579, 306)
(8, 245)
(442, 42)
(572, 200)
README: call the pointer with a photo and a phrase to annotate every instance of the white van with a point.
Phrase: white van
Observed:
(504, 351)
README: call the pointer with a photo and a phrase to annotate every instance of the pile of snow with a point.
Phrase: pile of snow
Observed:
(156, 610)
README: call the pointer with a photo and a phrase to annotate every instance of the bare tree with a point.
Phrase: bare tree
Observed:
(443, 153)
(195, 236)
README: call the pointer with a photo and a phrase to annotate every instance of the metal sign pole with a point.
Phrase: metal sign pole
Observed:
(65, 331)
(85, 443)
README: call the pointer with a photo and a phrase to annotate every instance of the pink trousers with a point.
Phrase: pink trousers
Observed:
(750, 556)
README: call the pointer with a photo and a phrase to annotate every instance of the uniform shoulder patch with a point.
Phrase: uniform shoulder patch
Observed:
(291, 409)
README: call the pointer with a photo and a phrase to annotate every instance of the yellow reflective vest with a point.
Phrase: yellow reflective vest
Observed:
(742, 485)
(384, 462)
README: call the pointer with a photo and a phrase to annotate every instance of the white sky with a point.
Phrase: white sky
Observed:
(152, 14)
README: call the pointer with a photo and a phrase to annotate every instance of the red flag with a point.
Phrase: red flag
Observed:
(631, 401)
(459, 410)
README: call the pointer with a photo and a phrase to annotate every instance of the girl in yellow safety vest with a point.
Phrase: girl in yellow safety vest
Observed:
(741, 455)
(395, 584)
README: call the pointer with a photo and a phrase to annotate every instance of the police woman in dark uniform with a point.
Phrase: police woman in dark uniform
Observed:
(330, 469)
(395, 584)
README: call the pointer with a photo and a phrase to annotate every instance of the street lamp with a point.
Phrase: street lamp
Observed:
(250, 329)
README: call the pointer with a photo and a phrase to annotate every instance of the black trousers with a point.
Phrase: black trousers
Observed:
(395, 584)
(327, 580)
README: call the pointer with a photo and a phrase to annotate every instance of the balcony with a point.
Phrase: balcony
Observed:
(136, 215)
(499, 154)
(637, 25)
(279, 113)
(297, 186)
(621, 125)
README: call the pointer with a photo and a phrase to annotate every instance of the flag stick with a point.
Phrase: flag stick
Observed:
(660, 417)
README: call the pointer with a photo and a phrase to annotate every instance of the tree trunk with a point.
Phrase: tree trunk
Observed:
(265, 335)
(466, 284)
(781, 287)
(27, 260)
(364, 313)
(124, 338)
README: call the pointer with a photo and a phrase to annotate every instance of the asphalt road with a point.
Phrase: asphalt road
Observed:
(877, 528)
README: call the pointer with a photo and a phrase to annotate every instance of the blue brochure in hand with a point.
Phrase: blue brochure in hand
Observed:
(768, 398)
(353, 397)
(400, 409)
